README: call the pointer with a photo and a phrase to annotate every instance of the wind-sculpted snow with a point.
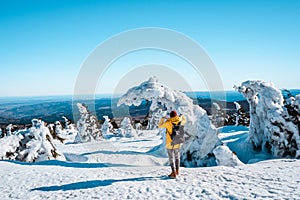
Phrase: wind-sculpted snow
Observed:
(270, 125)
(201, 135)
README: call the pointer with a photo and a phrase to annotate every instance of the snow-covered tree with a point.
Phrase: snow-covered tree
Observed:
(201, 137)
(9, 146)
(219, 117)
(58, 127)
(1, 133)
(88, 125)
(271, 127)
(154, 119)
(8, 130)
(240, 116)
(66, 122)
(29, 144)
(291, 104)
(107, 127)
(36, 144)
(138, 126)
(127, 129)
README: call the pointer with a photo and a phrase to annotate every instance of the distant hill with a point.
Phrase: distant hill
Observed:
(20, 110)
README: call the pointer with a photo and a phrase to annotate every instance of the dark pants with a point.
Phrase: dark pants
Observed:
(174, 154)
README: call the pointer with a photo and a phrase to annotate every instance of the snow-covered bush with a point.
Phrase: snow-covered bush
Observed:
(271, 127)
(201, 134)
(127, 129)
(29, 145)
(107, 128)
(36, 144)
(88, 125)
(9, 146)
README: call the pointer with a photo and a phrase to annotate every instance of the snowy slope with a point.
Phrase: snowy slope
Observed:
(121, 169)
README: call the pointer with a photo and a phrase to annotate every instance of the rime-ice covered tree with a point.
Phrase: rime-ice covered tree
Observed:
(30, 144)
(9, 146)
(9, 130)
(154, 119)
(271, 127)
(88, 125)
(201, 135)
(218, 117)
(127, 129)
(66, 122)
(36, 144)
(241, 118)
(138, 126)
(107, 127)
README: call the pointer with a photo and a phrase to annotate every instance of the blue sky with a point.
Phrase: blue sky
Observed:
(44, 43)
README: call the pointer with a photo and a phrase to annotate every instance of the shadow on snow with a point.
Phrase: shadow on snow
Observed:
(94, 184)
(68, 164)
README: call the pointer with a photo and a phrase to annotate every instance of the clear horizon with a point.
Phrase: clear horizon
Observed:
(45, 43)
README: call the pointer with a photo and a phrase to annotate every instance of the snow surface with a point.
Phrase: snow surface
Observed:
(123, 168)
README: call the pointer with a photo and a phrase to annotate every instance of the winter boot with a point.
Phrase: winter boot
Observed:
(172, 175)
(177, 172)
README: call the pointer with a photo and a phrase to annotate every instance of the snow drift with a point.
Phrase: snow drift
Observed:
(201, 134)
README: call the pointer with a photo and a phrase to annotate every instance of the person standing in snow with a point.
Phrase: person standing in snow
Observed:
(173, 150)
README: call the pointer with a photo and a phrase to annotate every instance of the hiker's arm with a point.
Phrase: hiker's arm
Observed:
(161, 123)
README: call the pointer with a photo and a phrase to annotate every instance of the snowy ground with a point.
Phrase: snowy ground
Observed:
(120, 169)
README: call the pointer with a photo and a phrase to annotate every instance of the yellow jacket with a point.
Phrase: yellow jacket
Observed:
(169, 126)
